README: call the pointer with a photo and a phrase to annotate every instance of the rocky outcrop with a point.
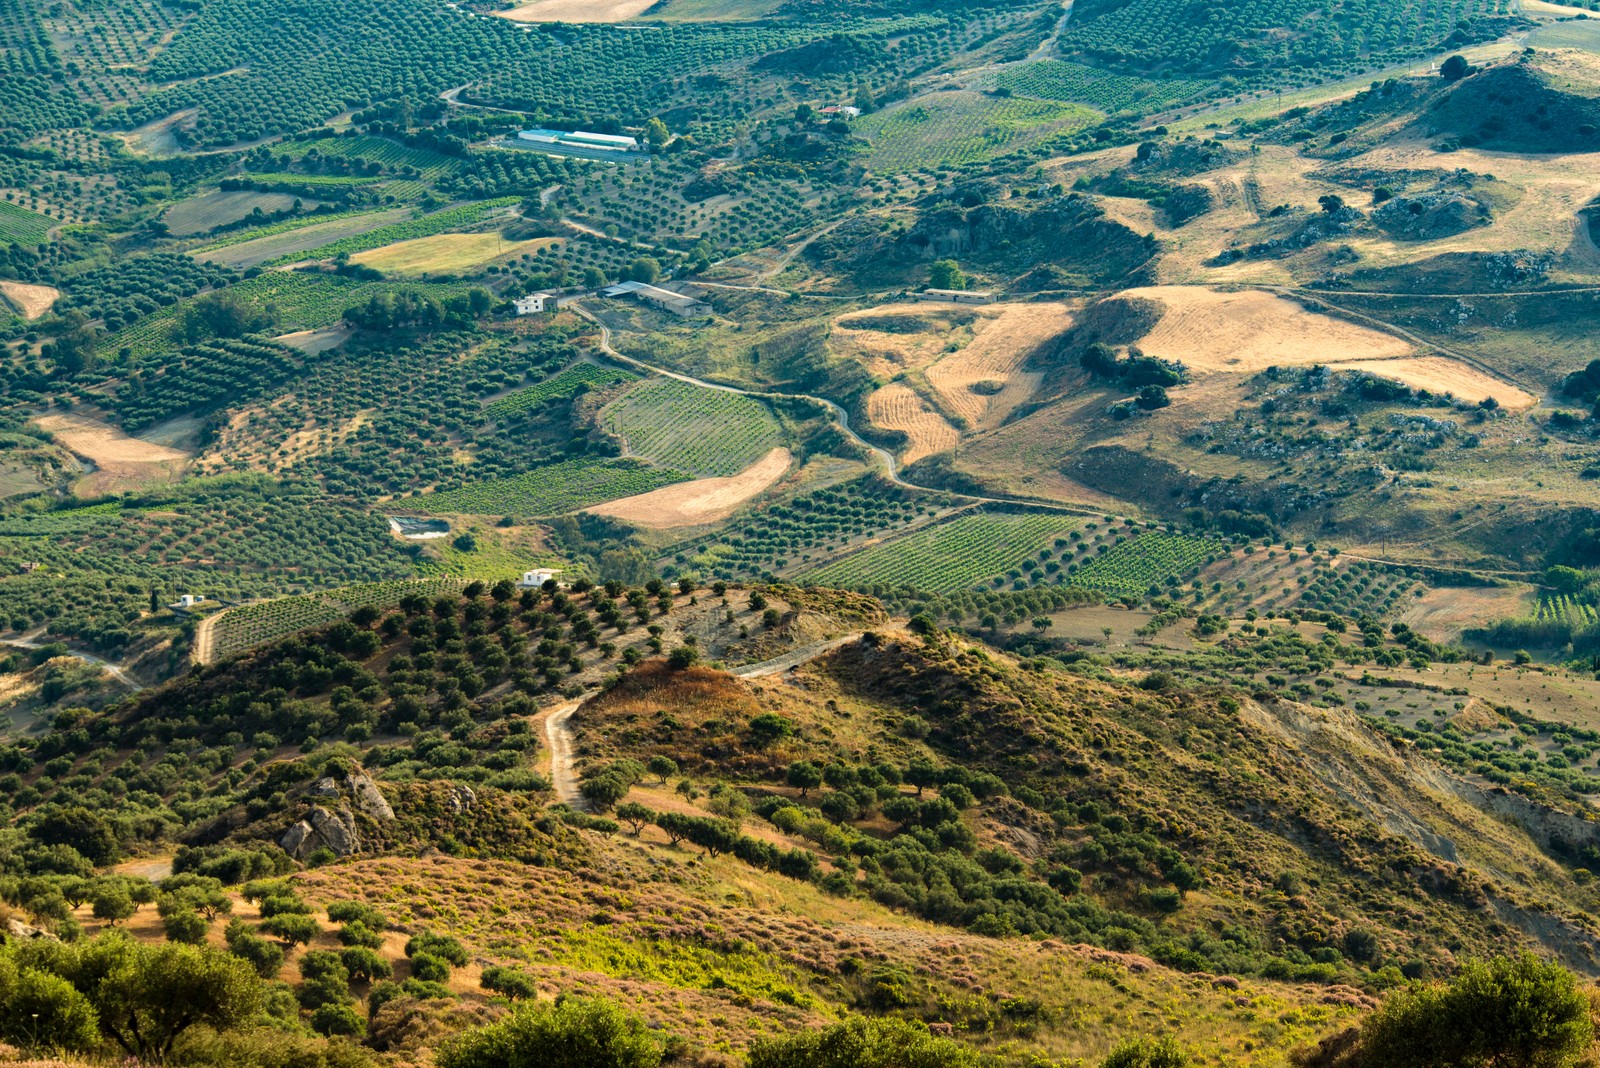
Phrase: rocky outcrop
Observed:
(334, 822)
(14, 930)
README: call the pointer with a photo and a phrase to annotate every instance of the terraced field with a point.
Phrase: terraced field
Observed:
(952, 556)
(708, 432)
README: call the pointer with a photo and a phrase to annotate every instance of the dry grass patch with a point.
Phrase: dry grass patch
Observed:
(1211, 331)
(1441, 614)
(985, 382)
(121, 463)
(1440, 374)
(705, 500)
(577, 10)
(894, 338)
(446, 253)
(31, 301)
(897, 407)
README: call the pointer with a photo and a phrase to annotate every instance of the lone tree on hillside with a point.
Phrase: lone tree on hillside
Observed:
(1455, 68)
(946, 274)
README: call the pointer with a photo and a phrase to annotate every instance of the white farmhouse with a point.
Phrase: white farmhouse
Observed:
(534, 303)
(535, 579)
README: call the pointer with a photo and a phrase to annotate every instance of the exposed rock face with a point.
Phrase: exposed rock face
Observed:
(336, 825)
(461, 799)
(14, 930)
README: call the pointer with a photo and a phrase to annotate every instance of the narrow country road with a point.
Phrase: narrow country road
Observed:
(116, 671)
(891, 467)
(558, 722)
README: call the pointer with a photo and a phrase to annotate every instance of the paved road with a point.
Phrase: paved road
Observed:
(558, 721)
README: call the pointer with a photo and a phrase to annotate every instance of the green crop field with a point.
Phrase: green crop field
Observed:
(23, 226)
(250, 625)
(1054, 79)
(820, 522)
(957, 555)
(708, 432)
(1561, 608)
(565, 384)
(552, 490)
(952, 129)
(1133, 566)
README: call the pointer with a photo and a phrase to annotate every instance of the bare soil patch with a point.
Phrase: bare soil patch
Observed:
(120, 462)
(312, 342)
(985, 382)
(705, 500)
(1440, 374)
(446, 253)
(898, 407)
(1210, 331)
(577, 10)
(31, 301)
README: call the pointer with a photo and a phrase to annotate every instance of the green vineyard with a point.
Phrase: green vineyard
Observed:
(1132, 567)
(964, 128)
(250, 625)
(1561, 608)
(708, 432)
(1054, 79)
(814, 523)
(952, 556)
(565, 384)
(552, 490)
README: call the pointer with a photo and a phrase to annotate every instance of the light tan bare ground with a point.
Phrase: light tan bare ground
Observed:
(985, 382)
(120, 462)
(898, 407)
(446, 253)
(1210, 331)
(1441, 614)
(705, 500)
(315, 341)
(1440, 374)
(31, 301)
(577, 10)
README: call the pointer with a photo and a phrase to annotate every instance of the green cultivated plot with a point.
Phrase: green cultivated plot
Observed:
(553, 490)
(708, 432)
(953, 556)
(1148, 560)
(251, 625)
(1054, 79)
(565, 384)
(951, 129)
(23, 226)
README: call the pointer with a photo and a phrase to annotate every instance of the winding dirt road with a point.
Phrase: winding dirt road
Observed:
(116, 671)
(558, 722)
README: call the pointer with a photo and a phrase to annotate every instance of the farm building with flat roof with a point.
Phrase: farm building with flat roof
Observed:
(678, 304)
(580, 139)
(955, 296)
